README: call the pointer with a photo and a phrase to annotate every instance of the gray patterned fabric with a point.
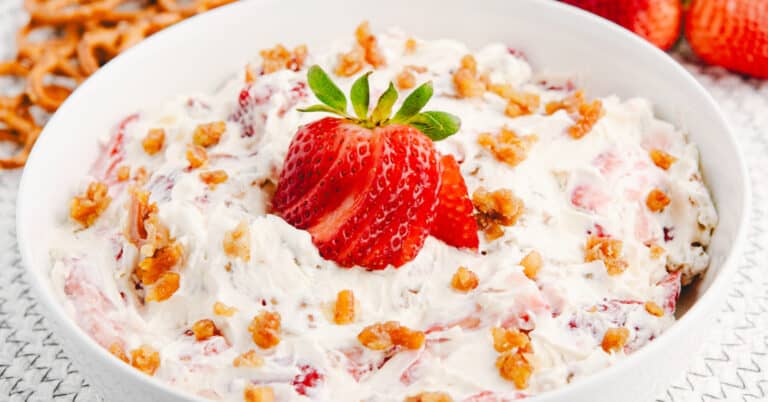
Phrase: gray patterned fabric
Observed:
(733, 365)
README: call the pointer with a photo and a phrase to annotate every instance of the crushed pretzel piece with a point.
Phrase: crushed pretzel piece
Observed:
(657, 200)
(350, 63)
(368, 42)
(153, 141)
(429, 397)
(507, 146)
(406, 78)
(466, 81)
(118, 351)
(208, 134)
(570, 103)
(123, 173)
(261, 393)
(279, 58)
(615, 339)
(223, 310)
(164, 288)
(495, 209)
(382, 336)
(197, 156)
(410, 45)
(214, 177)
(656, 251)
(513, 366)
(146, 359)
(265, 329)
(585, 113)
(608, 251)
(661, 158)
(464, 280)
(654, 309)
(86, 208)
(163, 260)
(237, 242)
(204, 329)
(344, 309)
(518, 103)
(249, 359)
(531, 264)
(505, 340)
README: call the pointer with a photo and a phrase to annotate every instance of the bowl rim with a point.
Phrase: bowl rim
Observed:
(698, 309)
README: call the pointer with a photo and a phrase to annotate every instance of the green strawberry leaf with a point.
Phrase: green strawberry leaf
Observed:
(383, 108)
(360, 96)
(322, 108)
(436, 125)
(414, 103)
(325, 90)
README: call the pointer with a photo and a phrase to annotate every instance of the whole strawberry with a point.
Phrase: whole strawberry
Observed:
(658, 21)
(730, 33)
(368, 188)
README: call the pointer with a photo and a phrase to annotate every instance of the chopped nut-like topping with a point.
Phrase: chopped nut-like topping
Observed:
(514, 367)
(410, 45)
(213, 177)
(519, 103)
(608, 251)
(154, 141)
(249, 359)
(250, 77)
(265, 329)
(279, 58)
(657, 200)
(123, 173)
(466, 81)
(507, 339)
(262, 393)
(531, 264)
(367, 41)
(496, 209)
(209, 134)
(196, 155)
(237, 242)
(150, 269)
(350, 63)
(430, 397)
(204, 329)
(406, 78)
(661, 158)
(382, 336)
(146, 359)
(586, 114)
(165, 287)
(222, 309)
(464, 280)
(140, 176)
(654, 309)
(615, 339)
(86, 208)
(507, 146)
(656, 251)
(117, 350)
(344, 310)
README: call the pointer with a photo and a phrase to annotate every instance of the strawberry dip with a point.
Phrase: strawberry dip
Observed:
(588, 215)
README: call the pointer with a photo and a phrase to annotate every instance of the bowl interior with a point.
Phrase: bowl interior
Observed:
(198, 54)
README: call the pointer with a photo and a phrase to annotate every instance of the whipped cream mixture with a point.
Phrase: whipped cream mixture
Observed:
(571, 188)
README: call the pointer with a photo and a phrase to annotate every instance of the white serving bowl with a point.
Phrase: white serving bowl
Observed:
(198, 54)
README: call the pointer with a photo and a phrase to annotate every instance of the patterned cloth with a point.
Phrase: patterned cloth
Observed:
(732, 366)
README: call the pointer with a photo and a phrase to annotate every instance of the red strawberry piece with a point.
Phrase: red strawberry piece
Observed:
(730, 33)
(658, 21)
(365, 188)
(454, 223)
(307, 378)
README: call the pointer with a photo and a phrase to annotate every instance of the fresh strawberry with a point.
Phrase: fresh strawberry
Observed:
(454, 222)
(730, 33)
(658, 21)
(365, 187)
